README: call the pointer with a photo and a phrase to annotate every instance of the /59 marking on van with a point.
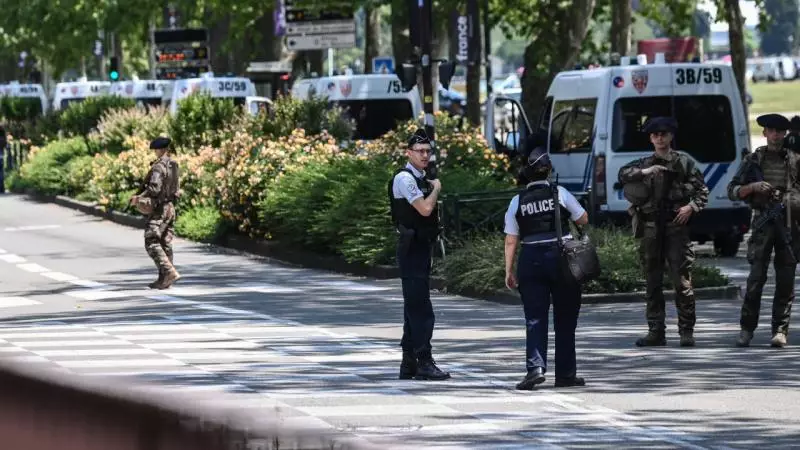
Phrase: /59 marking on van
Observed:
(701, 75)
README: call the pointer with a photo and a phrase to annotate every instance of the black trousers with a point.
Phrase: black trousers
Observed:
(414, 260)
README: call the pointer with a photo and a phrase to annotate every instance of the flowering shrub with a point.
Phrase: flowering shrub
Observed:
(201, 120)
(79, 119)
(117, 125)
(116, 177)
(315, 116)
(46, 168)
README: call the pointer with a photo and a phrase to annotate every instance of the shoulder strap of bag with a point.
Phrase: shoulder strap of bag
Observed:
(559, 231)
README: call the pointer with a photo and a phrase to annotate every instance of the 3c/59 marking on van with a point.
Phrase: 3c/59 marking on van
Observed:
(701, 75)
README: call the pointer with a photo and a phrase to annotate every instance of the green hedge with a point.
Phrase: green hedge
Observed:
(80, 118)
(477, 265)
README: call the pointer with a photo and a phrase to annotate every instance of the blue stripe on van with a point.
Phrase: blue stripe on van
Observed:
(708, 169)
(712, 181)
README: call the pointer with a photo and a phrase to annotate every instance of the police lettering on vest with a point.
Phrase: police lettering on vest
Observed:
(536, 213)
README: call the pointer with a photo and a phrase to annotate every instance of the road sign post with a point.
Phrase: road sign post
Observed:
(383, 64)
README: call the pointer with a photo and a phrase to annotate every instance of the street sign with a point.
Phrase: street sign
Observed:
(333, 26)
(383, 64)
(321, 41)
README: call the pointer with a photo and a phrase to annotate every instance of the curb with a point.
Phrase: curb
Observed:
(285, 254)
(730, 292)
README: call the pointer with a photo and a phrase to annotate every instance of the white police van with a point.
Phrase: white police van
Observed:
(377, 103)
(592, 120)
(77, 91)
(34, 92)
(241, 90)
(143, 92)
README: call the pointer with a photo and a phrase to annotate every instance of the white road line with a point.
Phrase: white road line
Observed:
(96, 352)
(201, 345)
(154, 362)
(12, 258)
(73, 343)
(32, 228)
(10, 302)
(34, 268)
(48, 334)
(98, 294)
(58, 276)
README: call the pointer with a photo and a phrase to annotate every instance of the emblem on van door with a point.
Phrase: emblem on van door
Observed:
(345, 88)
(129, 89)
(618, 82)
(639, 79)
(74, 90)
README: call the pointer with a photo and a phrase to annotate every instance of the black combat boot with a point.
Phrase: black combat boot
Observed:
(408, 368)
(570, 381)
(656, 337)
(687, 338)
(427, 370)
(535, 376)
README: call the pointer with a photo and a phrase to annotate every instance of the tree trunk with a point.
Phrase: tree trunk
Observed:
(621, 26)
(372, 36)
(401, 41)
(217, 35)
(733, 15)
(571, 28)
(268, 46)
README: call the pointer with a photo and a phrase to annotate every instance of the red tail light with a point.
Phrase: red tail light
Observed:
(600, 178)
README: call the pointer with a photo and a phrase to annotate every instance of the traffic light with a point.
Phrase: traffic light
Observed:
(407, 74)
(113, 69)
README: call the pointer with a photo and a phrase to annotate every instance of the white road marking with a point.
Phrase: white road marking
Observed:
(10, 302)
(96, 352)
(12, 258)
(58, 276)
(32, 228)
(33, 268)
(154, 362)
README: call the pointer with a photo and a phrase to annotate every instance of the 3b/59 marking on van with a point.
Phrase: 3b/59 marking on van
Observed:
(701, 75)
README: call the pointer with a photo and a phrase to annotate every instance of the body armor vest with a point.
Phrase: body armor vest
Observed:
(774, 169)
(536, 214)
(405, 214)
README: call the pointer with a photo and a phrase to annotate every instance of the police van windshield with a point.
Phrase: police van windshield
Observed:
(374, 118)
(705, 125)
(65, 102)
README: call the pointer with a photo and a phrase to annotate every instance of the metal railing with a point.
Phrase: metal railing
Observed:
(466, 212)
(14, 156)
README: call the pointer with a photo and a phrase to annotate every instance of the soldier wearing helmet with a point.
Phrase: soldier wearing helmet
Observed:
(531, 220)
(674, 191)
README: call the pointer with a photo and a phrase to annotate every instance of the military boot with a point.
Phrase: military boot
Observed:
(778, 340)
(157, 283)
(687, 338)
(427, 370)
(744, 338)
(170, 277)
(408, 367)
(656, 337)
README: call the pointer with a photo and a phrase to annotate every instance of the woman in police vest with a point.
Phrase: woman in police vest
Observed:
(531, 219)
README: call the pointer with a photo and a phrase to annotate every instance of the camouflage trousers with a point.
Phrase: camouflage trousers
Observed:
(759, 252)
(158, 234)
(678, 255)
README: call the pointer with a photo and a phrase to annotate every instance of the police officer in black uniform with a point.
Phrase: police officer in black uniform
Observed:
(531, 219)
(415, 215)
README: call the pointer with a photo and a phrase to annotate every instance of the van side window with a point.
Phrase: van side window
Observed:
(544, 115)
(573, 126)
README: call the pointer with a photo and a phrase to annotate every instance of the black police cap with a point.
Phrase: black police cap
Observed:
(774, 121)
(160, 143)
(657, 124)
(419, 137)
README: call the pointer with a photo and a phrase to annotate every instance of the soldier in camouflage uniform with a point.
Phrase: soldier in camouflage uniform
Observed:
(675, 190)
(780, 171)
(161, 190)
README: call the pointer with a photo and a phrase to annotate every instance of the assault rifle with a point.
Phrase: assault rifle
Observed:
(774, 213)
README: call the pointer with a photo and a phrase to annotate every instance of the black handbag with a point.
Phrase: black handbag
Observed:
(578, 257)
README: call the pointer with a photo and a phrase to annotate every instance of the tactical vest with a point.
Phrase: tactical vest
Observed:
(536, 214)
(403, 213)
(774, 168)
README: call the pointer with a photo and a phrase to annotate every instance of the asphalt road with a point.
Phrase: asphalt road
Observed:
(321, 349)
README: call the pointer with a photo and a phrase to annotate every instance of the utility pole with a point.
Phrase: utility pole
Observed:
(487, 37)
(425, 9)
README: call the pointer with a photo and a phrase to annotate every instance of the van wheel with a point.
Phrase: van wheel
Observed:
(726, 246)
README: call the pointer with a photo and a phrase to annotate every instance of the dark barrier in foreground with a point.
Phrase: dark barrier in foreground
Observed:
(41, 411)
